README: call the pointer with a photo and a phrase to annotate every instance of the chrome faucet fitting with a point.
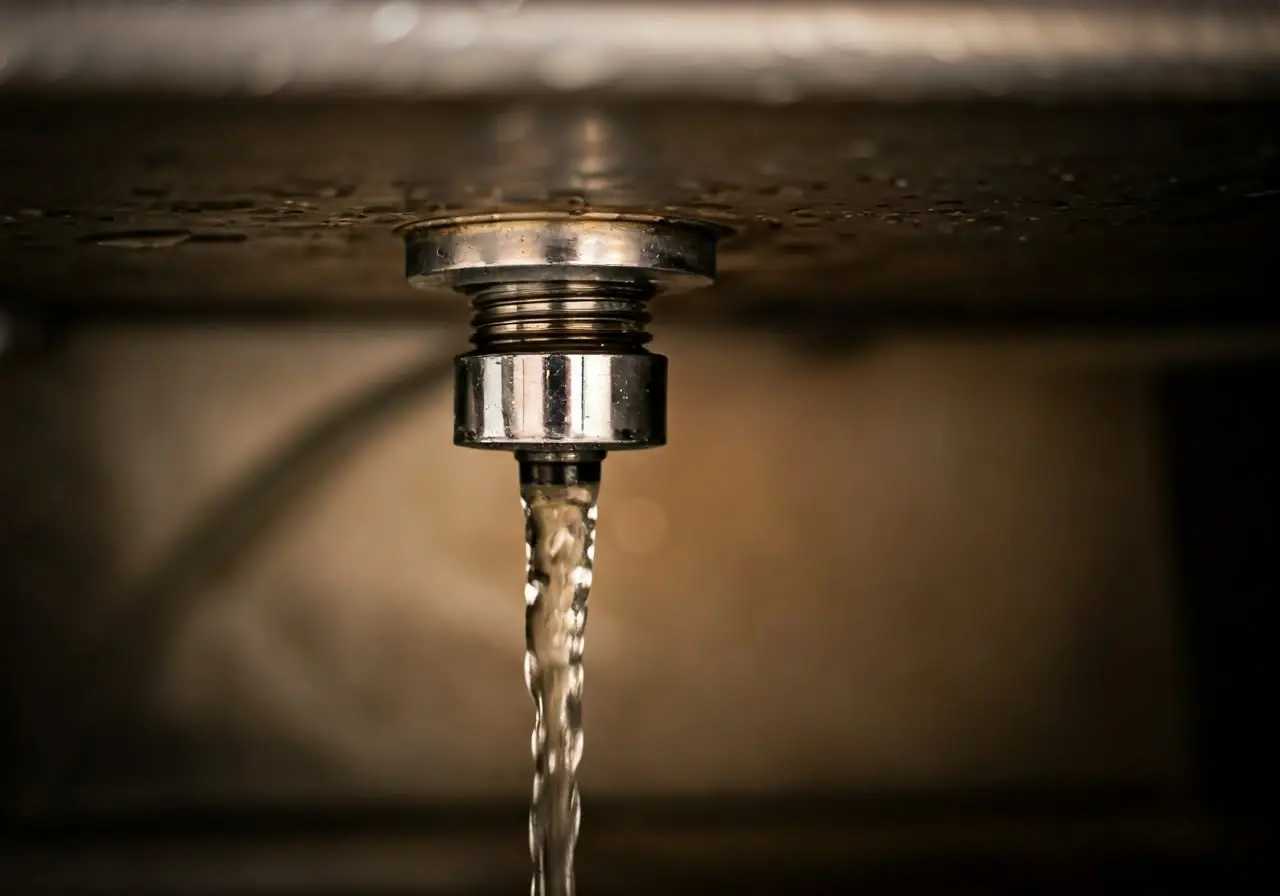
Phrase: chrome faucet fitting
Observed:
(559, 373)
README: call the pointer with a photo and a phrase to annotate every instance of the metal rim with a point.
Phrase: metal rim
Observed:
(439, 222)
(467, 252)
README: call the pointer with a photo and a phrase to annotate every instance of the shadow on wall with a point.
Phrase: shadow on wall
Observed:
(933, 565)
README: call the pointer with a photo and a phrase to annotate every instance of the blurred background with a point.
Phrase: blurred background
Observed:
(957, 574)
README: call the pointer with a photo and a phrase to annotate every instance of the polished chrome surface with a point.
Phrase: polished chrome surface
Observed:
(559, 303)
(553, 401)
(587, 246)
(773, 51)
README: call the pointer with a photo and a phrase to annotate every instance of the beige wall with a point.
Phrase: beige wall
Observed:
(920, 564)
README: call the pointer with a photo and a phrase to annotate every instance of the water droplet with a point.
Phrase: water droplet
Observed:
(573, 198)
(139, 239)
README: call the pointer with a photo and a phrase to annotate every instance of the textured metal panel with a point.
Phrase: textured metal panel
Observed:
(962, 206)
(784, 121)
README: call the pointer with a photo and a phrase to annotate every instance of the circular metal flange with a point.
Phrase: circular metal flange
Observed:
(587, 247)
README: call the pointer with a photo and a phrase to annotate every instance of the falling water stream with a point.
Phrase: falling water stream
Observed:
(560, 523)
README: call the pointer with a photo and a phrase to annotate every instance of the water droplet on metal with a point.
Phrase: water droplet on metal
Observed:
(140, 239)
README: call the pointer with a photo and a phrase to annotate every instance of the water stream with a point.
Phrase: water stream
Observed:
(560, 525)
